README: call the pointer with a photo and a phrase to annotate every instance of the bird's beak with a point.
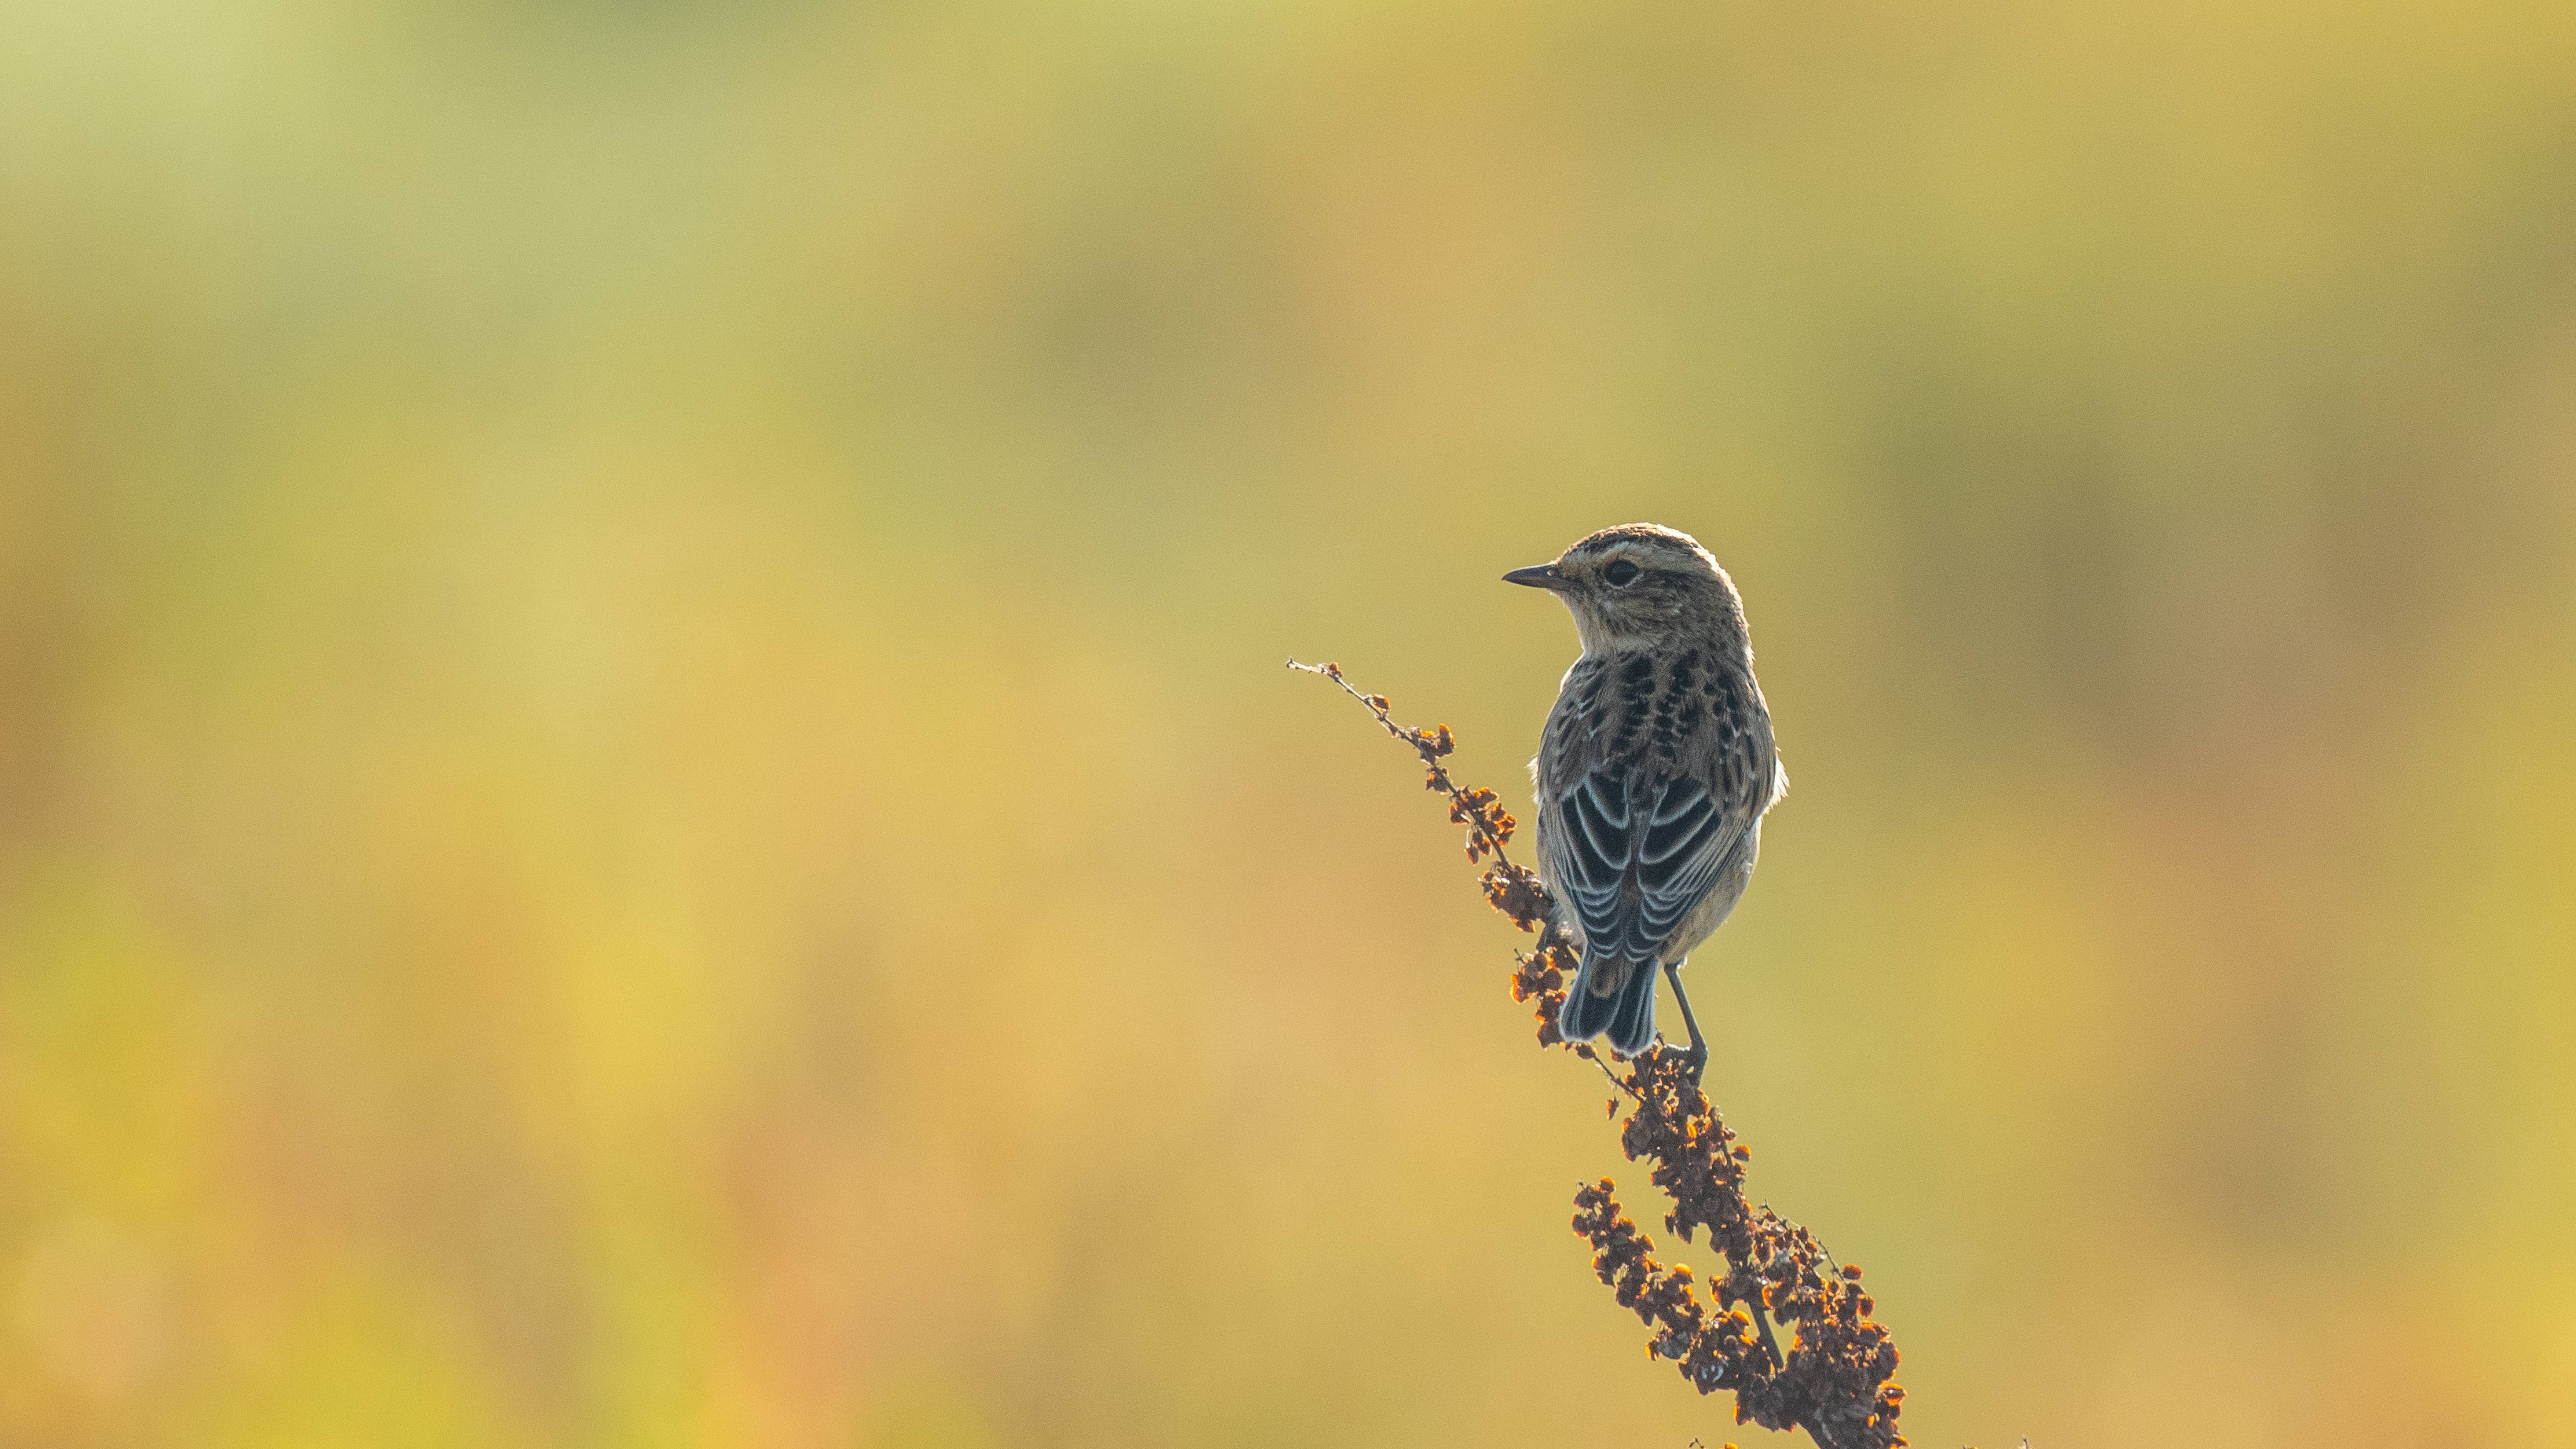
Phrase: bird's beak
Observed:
(1542, 576)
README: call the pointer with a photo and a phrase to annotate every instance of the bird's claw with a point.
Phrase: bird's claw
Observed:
(1694, 1058)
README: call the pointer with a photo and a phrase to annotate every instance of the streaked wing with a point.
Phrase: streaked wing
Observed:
(1636, 858)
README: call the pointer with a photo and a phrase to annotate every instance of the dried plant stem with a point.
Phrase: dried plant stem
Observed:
(1469, 808)
(1834, 1379)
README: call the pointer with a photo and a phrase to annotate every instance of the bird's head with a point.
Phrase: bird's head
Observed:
(1640, 584)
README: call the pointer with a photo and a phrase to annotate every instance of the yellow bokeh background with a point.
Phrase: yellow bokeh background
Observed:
(647, 798)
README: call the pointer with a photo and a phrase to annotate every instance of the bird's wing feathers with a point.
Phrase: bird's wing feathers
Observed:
(1649, 821)
(1635, 856)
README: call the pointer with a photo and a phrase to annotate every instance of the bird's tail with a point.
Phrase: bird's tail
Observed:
(1611, 995)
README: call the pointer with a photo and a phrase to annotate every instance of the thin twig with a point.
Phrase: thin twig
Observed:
(1425, 743)
(1762, 1325)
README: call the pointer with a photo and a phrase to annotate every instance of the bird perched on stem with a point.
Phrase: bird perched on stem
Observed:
(1653, 773)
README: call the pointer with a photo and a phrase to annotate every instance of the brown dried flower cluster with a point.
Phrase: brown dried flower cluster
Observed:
(1834, 1380)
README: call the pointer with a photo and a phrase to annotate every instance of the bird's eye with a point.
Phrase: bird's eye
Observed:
(1620, 574)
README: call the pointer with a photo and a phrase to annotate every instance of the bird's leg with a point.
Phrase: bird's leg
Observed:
(1699, 1044)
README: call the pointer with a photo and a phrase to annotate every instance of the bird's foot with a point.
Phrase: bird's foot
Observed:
(1694, 1058)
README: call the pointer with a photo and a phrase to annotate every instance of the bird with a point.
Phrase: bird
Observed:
(1652, 776)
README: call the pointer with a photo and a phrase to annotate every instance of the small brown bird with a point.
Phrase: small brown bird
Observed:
(1653, 774)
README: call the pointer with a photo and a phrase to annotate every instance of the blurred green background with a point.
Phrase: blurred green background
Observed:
(646, 794)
